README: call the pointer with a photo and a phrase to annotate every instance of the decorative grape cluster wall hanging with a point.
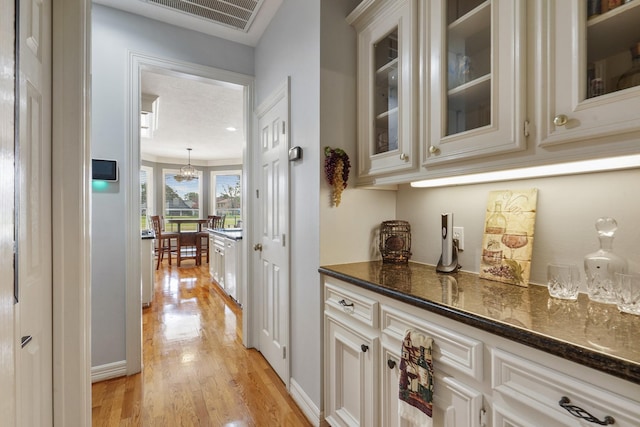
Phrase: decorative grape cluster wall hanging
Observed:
(336, 168)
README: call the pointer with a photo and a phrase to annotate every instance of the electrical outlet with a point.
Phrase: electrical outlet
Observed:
(458, 233)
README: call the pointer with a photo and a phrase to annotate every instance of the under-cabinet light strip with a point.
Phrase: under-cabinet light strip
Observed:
(585, 166)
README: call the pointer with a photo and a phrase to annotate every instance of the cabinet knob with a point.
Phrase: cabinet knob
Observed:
(257, 247)
(433, 149)
(364, 348)
(578, 412)
(391, 363)
(560, 120)
(404, 157)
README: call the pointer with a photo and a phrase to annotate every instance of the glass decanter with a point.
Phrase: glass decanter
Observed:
(600, 266)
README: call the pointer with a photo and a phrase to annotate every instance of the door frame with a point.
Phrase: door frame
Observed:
(137, 63)
(71, 212)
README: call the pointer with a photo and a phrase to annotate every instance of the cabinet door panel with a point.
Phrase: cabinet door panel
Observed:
(390, 381)
(572, 108)
(352, 380)
(455, 404)
(474, 97)
(387, 79)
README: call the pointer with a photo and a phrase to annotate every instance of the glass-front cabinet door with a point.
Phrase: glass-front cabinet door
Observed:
(590, 63)
(476, 58)
(387, 82)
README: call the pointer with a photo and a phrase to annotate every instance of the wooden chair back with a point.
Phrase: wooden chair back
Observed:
(216, 221)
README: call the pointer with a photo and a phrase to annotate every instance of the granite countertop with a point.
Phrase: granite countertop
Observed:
(593, 334)
(231, 233)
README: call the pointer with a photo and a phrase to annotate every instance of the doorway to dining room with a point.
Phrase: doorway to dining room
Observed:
(185, 106)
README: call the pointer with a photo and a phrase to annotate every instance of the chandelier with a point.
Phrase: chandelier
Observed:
(188, 172)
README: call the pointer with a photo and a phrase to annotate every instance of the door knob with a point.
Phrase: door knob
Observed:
(257, 247)
(434, 150)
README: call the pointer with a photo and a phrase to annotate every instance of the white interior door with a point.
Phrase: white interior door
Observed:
(34, 307)
(272, 277)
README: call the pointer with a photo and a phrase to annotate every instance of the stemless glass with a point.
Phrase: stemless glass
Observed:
(563, 281)
(627, 292)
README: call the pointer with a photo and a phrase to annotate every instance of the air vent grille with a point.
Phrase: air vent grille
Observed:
(238, 14)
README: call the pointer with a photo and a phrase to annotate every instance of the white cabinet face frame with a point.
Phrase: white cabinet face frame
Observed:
(562, 70)
(390, 375)
(504, 79)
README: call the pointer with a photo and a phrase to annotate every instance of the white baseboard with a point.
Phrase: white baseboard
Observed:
(108, 371)
(310, 410)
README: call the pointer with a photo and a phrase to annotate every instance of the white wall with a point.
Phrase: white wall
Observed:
(114, 35)
(565, 219)
(311, 42)
(347, 232)
(290, 47)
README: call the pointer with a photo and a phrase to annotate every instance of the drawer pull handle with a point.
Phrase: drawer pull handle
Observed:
(345, 304)
(578, 412)
(391, 363)
(364, 348)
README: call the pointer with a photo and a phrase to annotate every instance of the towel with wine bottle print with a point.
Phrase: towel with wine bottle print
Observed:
(416, 379)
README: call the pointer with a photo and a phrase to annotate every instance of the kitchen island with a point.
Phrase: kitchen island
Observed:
(472, 320)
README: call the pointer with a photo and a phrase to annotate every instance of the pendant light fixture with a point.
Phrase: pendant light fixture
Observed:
(188, 172)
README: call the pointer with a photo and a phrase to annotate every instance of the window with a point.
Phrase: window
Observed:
(147, 205)
(226, 193)
(181, 199)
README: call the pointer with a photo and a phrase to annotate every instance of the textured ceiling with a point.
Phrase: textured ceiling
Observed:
(194, 114)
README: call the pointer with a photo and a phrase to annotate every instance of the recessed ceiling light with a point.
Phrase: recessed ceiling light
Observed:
(231, 129)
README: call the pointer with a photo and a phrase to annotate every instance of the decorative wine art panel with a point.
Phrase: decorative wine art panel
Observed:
(508, 236)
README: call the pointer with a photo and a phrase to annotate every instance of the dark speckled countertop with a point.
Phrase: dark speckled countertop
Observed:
(590, 333)
(231, 233)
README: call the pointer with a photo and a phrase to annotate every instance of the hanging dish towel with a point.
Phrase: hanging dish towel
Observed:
(416, 379)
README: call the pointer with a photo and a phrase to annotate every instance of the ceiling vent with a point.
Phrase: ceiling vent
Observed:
(237, 14)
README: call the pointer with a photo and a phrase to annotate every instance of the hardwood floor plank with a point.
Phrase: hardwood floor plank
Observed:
(196, 371)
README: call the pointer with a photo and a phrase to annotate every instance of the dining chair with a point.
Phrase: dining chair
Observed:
(163, 241)
(217, 221)
(189, 247)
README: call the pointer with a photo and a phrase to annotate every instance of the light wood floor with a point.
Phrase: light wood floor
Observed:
(196, 370)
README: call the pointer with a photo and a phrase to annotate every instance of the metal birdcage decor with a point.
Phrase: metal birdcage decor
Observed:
(395, 241)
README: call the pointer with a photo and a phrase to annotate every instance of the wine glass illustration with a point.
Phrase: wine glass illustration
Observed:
(515, 240)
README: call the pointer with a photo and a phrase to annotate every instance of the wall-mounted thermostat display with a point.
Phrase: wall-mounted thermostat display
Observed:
(104, 170)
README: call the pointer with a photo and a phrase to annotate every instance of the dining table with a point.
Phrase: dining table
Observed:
(188, 241)
(180, 221)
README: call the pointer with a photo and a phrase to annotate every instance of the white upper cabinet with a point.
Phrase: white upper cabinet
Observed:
(387, 82)
(589, 86)
(473, 101)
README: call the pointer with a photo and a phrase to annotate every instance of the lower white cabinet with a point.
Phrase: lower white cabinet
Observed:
(351, 375)
(147, 270)
(517, 387)
(212, 256)
(216, 258)
(233, 268)
(542, 395)
(362, 361)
